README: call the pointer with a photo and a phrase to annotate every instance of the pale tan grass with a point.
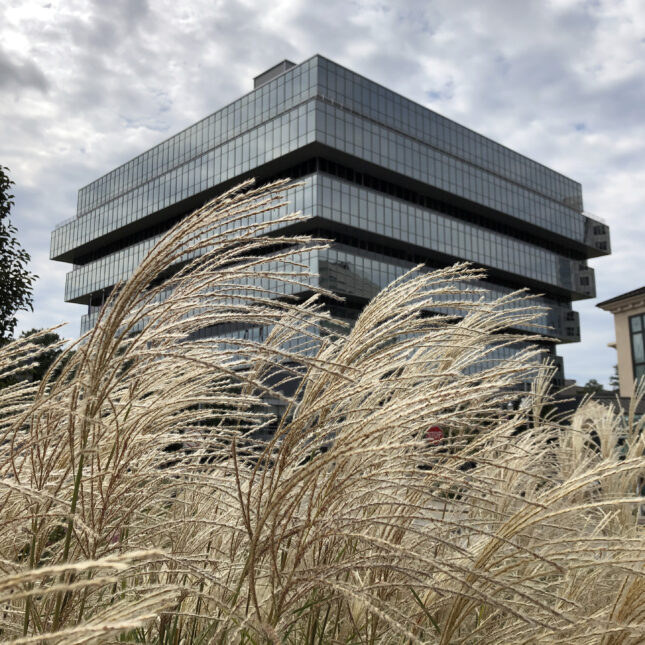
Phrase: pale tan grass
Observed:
(347, 525)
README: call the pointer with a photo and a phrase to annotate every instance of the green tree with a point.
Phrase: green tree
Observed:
(592, 386)
(16, 281)
(614, 384)
(50, 342)
(46, 358)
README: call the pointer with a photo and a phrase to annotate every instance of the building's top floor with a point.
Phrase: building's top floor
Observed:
(289, 85)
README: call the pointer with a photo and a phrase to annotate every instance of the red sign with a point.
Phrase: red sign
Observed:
(434, 435)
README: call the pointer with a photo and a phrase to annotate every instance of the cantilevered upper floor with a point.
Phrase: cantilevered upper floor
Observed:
(320, 109)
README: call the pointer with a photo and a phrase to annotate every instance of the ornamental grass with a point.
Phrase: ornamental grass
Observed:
(159, 486)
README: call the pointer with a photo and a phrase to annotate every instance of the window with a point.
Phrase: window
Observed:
(637, 334)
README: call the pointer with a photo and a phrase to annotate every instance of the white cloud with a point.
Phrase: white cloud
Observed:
(85, 85)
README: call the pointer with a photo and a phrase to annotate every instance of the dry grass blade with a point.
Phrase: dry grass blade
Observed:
(220, 461)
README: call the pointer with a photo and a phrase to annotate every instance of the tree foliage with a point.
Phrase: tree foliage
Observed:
(16, 281)
(48, 346)
(614, 383)
(51, 342)
(592, 386)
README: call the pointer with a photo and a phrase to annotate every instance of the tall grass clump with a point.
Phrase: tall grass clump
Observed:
(150, 493)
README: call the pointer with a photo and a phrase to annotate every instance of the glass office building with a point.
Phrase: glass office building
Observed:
(393, 183)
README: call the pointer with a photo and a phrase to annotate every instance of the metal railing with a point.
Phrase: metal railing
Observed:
(597, 218)
(65, 221)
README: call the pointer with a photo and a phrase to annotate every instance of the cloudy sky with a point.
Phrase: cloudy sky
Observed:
(86, 85)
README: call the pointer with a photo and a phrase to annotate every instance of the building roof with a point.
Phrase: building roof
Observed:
(568, 399)
(624, 296)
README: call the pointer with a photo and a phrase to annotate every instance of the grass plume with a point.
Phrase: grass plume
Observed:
(345, 525)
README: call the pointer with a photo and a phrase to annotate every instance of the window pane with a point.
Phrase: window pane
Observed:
(639, 355)
(636, 323)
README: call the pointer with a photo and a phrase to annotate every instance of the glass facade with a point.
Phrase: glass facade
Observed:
(363, 274)
(430, 190)
(334, 86)
(367, 210)
(227, 338)
(105, 213)
(259, 107)
(370, 211)
(380, 145)
(105, 272)
(294, 110)
(347, 271)
(364, 97)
